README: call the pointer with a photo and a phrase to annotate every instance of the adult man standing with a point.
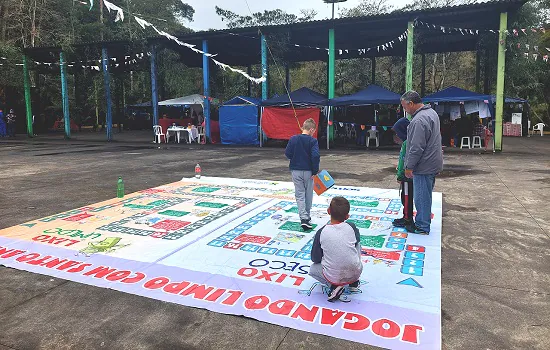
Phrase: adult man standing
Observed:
(424, 157)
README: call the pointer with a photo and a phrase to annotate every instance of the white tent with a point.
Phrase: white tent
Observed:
(186, 100)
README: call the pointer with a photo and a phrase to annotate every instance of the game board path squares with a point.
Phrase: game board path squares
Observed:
(397, 239)
(393, 207)
(227, 240)
(413, 262)
(175, 229)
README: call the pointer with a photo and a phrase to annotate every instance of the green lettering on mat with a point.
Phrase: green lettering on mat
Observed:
(206, 189)
(176, 213)
(137, 206)
(294, 226)
(373, 241)
(355, 203)
(210, 205)
(360, 223)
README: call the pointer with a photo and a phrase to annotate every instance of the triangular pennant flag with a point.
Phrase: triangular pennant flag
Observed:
(477, 32)
(492, 31)
(119, 12)
(545, 58)
(527, 46)
(535, 56)
(91, 5)
(515, 32)
(536, 48)
(461, 32)
(533, 30)
(543, 30)
(523, 30)
(526, 54)
(519, 46)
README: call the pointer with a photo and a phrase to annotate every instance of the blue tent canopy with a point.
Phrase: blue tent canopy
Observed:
(454, 94)
(242, 100)
(239, 121)
(373, 94)
(300, 97)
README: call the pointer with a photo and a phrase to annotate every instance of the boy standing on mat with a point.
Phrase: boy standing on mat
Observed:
(303, 152)
(400, 129)
(336, 251)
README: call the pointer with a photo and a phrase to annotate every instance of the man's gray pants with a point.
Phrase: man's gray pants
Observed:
(303, 190)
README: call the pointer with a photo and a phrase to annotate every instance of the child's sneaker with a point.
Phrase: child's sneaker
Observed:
(399, 222)
(335, 293)
(306, 225)
(354, 290)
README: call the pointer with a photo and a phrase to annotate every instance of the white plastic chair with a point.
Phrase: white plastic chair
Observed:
(476, 142)
(373, 135)
(157, 130)
(539, 127)
(201, 134)
(465, 142)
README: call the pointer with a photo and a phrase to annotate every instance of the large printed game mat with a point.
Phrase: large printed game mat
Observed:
(235, 246)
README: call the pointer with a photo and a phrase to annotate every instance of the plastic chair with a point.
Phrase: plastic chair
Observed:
(465, 142)
(201, 134)
(539, 127)
(373, 135)
(476, 142)
(157, 129)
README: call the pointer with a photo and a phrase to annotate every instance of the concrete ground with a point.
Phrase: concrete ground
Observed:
(495, 248)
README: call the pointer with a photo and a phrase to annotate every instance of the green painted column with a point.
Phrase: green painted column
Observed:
(65, 95)
(501, 64)
(28, 102)
(265, 83)
(331, 78)
(410, 56)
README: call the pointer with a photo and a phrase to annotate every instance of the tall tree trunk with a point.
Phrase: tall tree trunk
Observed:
(33, 23)
(101, 18)
(434, 73)
(443, 72)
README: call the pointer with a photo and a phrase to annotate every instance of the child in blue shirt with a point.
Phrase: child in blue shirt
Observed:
(303, 152)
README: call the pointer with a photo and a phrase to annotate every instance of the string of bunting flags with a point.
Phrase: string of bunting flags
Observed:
(223, 66)
(387, 45)
(144, 24)
(469, 31)
(128, 59)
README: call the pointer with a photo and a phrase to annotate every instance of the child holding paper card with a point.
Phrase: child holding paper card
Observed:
(303, 152)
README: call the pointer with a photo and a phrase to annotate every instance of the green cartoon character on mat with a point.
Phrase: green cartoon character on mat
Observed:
(108, 245)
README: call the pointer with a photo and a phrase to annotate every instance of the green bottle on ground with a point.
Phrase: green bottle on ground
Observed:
(120, 188)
